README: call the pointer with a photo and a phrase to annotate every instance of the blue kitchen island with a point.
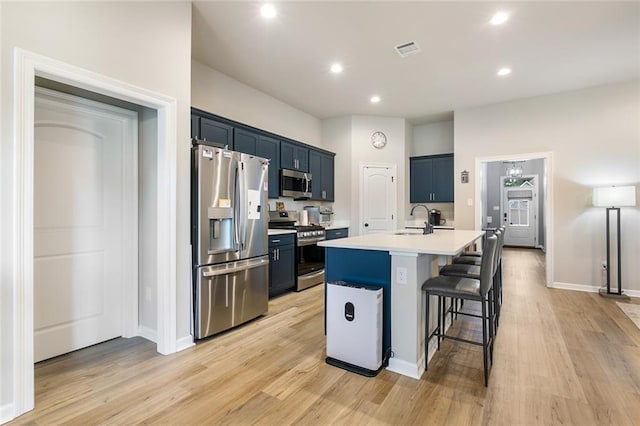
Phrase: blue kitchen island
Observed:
(399, 263)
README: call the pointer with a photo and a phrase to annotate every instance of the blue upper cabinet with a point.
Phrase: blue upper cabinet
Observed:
(431, 179)
(294, 156)
(216, 132)
(321, 169)
(269, 148)
(282, 154)
(245, 141)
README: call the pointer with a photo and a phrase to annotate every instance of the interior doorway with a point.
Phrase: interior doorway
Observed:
(28, 66)
(520, 198)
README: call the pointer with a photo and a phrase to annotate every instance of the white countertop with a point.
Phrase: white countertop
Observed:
(435, 227)
(441, 242)
(417, 223)
(281, 231)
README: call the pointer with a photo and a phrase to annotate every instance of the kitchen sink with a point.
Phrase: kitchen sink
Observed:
(408, 233)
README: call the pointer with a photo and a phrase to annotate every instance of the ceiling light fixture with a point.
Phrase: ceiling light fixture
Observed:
(268, 11)
(336, 68)
(499, 18)
(504, 71)
(375, 99)
(514, 171)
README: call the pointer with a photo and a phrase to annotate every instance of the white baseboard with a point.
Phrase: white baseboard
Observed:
(406, 368)
(589, 288)
(7, 413)
(184, 343)
(575, 287)
(148, 333)
(632, 293)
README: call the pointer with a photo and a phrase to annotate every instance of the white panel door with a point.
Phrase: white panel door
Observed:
(78, 224)
(378, 199)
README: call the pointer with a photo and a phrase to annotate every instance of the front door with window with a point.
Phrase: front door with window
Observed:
(519, 211)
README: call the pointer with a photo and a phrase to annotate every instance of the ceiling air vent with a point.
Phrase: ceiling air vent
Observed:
(408, 48)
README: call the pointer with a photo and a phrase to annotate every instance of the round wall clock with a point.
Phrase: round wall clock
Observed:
(378, 140)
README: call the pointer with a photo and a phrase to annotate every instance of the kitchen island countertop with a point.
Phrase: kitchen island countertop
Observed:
(441, 242)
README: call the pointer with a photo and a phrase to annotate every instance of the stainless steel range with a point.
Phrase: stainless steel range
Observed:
(309, 257)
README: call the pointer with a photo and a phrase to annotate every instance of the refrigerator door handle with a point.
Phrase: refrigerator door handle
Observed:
(244, 205)
(235, 267)
(236, 210)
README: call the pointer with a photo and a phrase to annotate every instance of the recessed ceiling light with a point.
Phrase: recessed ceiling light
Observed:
(504, 71)
(336, 68)
(268, 11)
(499, 18)
(375, 99)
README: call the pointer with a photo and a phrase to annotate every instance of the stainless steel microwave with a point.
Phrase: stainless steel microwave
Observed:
(295, 184)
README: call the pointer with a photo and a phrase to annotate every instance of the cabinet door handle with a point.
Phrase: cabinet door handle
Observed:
(324, 194)
(278, 254)
(275, 241)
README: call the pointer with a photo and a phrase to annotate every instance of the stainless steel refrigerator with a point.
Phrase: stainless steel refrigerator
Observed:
(228, 237)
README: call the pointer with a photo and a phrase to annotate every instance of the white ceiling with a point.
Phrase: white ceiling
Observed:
(551, 47)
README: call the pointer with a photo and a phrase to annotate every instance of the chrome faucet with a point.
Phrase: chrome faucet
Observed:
(428, 228)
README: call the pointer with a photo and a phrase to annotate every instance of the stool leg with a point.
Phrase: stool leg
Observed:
(426, 337)
(451, 308)
(490, 304)
(439, 320)
(484, 342)
(496, 302)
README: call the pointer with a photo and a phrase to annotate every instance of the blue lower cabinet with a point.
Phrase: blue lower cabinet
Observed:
(333, 234)
(282, 263)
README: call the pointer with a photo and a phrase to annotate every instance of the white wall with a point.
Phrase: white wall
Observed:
(219, 94)
(594, 135)
(350, 138)
(336, 135)
(432, 138)
(142, 43)
(363, 152)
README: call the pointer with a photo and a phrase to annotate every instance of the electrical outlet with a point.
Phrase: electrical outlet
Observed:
(401, 275)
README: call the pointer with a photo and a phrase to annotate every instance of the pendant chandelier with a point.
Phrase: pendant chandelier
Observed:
(514, 171)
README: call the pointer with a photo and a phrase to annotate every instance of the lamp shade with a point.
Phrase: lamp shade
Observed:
(614, 196)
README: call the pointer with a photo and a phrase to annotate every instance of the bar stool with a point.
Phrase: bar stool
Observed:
(472, 257)
(468, 270)
(480, 290)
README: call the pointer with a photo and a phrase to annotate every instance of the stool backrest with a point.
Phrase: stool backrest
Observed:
(488, 264)
(496, 258)
(502, 230)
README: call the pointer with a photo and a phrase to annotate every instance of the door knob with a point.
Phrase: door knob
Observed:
(366, 225)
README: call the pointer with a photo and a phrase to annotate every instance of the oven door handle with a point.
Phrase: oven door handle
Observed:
(313, 274)
(309, 242)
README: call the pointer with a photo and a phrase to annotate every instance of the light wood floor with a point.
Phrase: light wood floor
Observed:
(560, 357)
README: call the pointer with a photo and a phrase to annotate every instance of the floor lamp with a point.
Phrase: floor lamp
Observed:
(614, 197)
